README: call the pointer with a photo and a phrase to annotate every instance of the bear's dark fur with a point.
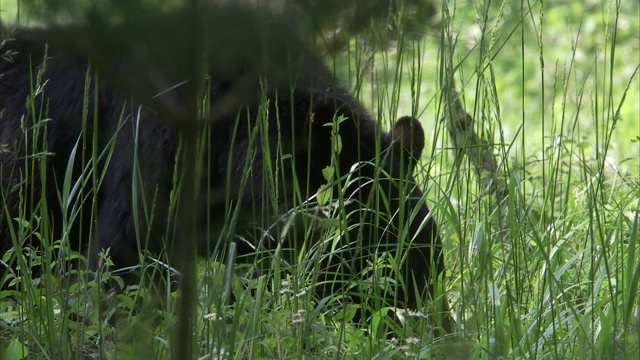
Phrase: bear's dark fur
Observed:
(274, 115)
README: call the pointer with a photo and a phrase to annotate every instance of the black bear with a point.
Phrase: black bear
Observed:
(88, 117)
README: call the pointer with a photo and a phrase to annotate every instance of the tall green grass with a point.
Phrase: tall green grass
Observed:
(550, 276)
(552, 271)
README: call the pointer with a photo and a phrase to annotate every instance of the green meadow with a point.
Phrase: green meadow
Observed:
(537, 201)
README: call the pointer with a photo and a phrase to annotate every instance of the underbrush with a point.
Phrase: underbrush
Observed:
(546, 268)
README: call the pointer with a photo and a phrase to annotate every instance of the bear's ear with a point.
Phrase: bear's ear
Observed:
(408, 132)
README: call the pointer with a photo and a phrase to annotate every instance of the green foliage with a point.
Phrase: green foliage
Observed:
(555, 275)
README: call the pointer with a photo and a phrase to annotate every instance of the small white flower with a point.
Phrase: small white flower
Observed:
(210, 317)
(284, 291)
(412, 340)
(297, 317)
(219, 354)
(417, 314)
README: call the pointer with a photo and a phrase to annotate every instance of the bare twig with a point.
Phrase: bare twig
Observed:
(466, 140)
